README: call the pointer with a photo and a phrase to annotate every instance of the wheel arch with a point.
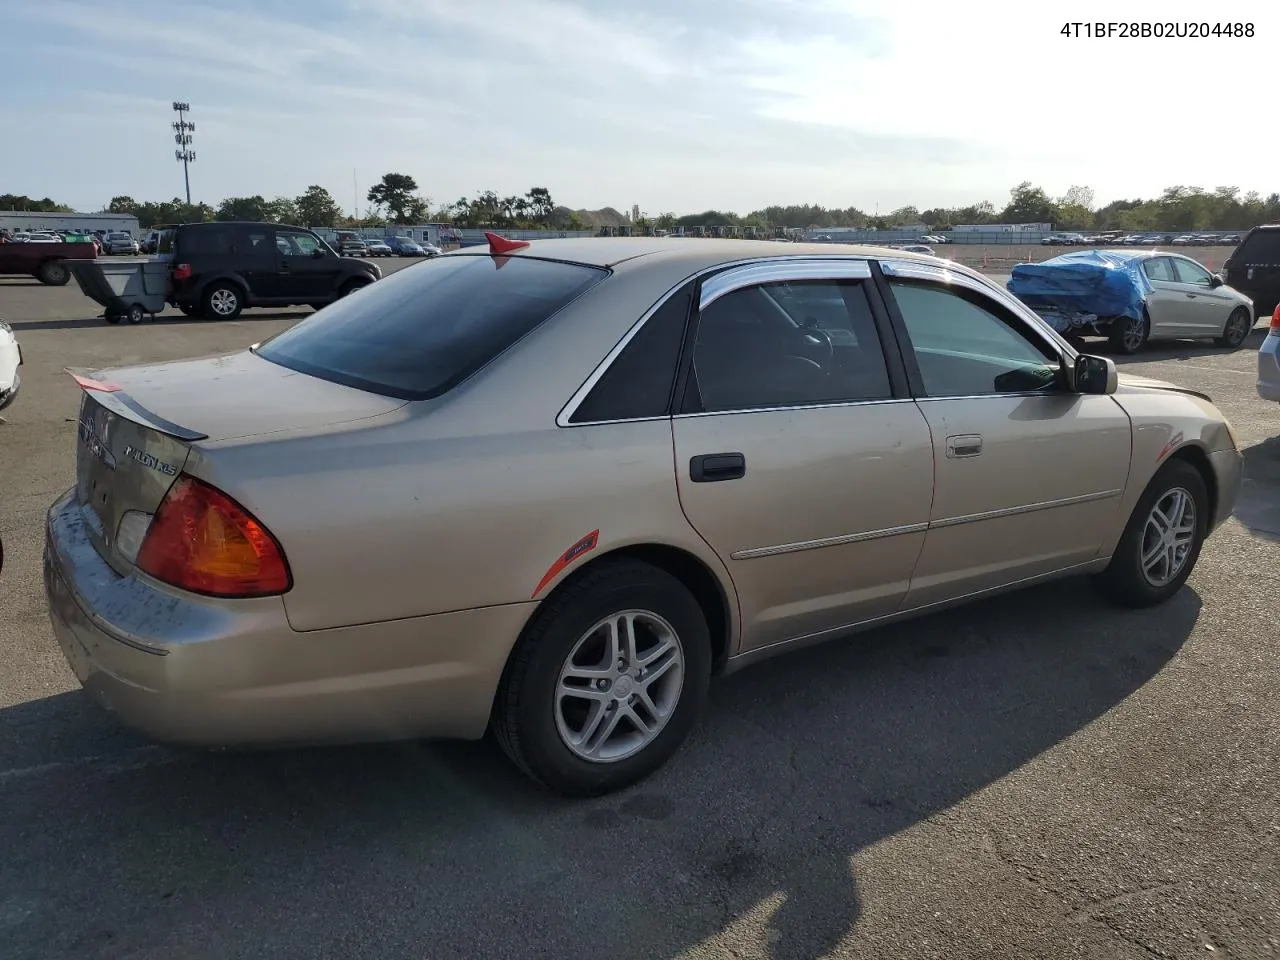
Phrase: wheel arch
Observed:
(701, 581)
(1195, 455)
(232, 278)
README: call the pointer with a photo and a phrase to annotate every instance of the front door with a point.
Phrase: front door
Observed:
(1028, 475)
(1207, 306)
(308, 271)
(799, 458)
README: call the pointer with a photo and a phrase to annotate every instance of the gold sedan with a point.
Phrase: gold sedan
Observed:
(552, 489)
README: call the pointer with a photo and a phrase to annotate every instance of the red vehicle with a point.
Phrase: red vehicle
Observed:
(42, 259)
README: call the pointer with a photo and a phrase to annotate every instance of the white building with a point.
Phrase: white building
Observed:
(16, 220)
(1004, 228)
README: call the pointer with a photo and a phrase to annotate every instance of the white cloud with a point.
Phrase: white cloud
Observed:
(675, 104)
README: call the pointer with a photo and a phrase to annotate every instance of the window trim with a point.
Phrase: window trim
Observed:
(1030, 326)
(899, 359)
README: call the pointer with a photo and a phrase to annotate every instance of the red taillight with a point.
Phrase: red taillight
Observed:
(203, 541)
(1275, 322)
(182, 271)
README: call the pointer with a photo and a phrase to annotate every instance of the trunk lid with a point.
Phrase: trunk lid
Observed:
(137, 426)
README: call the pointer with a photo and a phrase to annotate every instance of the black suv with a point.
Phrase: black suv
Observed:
(219, 268)
(1254, 268)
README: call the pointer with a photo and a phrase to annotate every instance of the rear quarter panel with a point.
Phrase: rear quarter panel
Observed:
(1163, 423)
(469, 500)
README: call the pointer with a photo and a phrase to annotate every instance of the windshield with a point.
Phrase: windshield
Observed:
(421, 331)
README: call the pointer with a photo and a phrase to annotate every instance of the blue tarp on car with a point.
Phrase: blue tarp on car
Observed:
(1095, 282)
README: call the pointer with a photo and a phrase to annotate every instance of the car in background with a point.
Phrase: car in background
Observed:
(120, 243)
(1268, 385)
(220, 268)
(1229, 238)
(1254, 267)
(378, 248)
(10, 362)
(291, 543)
(404, 247)
(917, 248)
(353, 247)
(430, 249)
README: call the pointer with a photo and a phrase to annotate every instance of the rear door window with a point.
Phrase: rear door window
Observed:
(1159, 268)
(205, 242)
(421, 331)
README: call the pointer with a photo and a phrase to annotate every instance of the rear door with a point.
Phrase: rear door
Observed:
(1168, 305)
(1254, 268)
(1028, 475)
(800, 457)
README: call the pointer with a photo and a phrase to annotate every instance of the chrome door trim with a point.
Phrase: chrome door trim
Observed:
(818, 544)
(1025, 508)
(952, 275)
(801, 268)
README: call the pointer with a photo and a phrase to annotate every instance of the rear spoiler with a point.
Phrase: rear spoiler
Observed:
(112, 397)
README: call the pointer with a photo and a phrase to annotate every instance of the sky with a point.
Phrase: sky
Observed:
(675, 105)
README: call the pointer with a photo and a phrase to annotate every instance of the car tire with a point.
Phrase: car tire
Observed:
(1128, 335)
(1129, 581)
(53, 273)
(1239, 326)
(537, 728)
(351, 286)
(222, 301)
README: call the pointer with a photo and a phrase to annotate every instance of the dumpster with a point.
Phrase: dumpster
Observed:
(127, 289)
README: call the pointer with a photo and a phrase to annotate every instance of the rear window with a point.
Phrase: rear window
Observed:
(424, 329)
(1261, 246)
(203, 241)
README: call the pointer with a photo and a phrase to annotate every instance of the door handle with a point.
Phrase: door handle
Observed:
(713, 467)
(968, 445)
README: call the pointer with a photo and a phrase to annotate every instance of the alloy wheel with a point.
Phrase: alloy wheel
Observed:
(1168, 536)
(619, 686)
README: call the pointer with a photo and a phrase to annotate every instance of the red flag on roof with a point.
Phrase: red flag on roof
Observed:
(499, 244)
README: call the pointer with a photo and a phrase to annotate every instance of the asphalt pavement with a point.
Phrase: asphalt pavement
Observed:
(1035, 776)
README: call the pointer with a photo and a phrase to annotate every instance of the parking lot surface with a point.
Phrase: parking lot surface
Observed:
(1035, 776)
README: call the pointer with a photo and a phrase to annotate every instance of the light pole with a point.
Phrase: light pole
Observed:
(182, 131)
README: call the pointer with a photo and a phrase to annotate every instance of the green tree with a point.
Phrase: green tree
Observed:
(18, 201)
(398, 192)
(284, 210)
(1028, 204)
(540, 204)
(317, 208)
(244, 208)
(123, 204)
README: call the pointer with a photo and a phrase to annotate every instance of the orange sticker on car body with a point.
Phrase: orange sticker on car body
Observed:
(582, 547)
(1169, 447)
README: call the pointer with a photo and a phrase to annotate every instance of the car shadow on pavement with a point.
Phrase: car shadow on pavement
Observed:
(116, 848)
(166, 319)
(1177, 349)
(1258, 507)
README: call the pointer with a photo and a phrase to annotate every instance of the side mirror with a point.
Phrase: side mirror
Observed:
(1216, 281)
(1095, 375)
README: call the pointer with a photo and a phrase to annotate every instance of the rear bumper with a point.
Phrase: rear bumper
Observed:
(194, 670)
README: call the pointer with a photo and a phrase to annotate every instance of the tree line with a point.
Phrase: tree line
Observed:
(396, 199)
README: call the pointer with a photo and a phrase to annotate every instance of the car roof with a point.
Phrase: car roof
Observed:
(695, 252)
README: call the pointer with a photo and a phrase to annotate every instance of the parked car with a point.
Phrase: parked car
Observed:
(404, 247)
(46, 261)
(1254, 267)
(405, 517)
(1135, 296)
(220, 268)
(1269, 361)
(10, 364)
(917, 248)
(353, 247)
(120, 243)
(378, 248)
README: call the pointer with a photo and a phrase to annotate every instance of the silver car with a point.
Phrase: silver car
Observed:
(1269, 362)
(551, 489)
